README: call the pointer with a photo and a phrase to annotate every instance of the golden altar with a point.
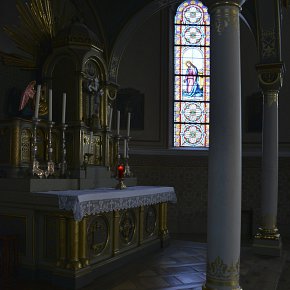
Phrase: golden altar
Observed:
(71, 237)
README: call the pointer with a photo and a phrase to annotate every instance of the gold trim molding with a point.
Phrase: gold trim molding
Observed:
(225, 17)
(270, 75)
(268, 234)
(268, 42)
(271, 97)
(206, 287)
(219, 273)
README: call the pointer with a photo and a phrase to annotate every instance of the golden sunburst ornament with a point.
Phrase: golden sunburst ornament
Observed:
(33, 36)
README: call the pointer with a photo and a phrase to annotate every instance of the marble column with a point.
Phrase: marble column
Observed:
(225, 168)
(267, 239)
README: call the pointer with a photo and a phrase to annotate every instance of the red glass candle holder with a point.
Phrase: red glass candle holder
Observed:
(121, 171)
(120, 175)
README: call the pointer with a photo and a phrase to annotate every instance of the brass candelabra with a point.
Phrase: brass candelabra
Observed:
(63, 164)
(36, 171)
(50, 164)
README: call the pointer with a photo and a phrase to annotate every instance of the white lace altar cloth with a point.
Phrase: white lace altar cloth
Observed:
(94, 201)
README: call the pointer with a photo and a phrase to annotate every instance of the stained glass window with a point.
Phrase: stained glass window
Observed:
(191, 75)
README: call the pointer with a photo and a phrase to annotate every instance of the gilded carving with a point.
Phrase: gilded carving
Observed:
(268, 234)
(97, 150)
(36, 29)
(26, 136)
(98, 235)
(150, 220)
(114, 67)
(271, 97)
(225, 17)
(270, 76)
(127, 226)
(268, 42)
(15, 148)
(218, 270)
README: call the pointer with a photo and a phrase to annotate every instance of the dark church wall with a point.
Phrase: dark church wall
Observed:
(140, 70)
(12, 80)
(188, 175)
(12, 83)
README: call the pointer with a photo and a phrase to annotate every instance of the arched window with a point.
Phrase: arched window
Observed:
(191, 75)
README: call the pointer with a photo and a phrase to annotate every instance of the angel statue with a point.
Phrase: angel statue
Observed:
(29, 94)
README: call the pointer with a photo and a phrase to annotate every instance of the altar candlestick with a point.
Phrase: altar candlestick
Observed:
(110, 118)
(37, 101)
(90, 144)
(50, 105)
(125, 149)
(118, 122)
(128, 124)
(63, 107)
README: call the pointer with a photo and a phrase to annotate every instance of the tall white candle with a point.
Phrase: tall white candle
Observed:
(63, 108)
(128, 124)
(50, 105)
(37, 101)
(118, 122)
(125, 148)
(110, 118)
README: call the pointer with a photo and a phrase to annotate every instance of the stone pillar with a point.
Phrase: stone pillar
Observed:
(267, 240)
(224, 192)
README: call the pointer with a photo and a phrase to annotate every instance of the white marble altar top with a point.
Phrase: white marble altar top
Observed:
(94, 201)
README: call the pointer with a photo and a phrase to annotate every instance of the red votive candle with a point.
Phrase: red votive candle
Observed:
(121, 170)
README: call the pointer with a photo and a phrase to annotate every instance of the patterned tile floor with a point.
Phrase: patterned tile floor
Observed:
(181, 265)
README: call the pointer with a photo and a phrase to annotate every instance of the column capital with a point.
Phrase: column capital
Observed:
(215, 3)
(270, 75)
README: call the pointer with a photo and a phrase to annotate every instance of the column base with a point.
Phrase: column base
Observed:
(268, 242)
(205, 287)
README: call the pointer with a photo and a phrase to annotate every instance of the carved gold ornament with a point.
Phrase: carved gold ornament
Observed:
(268, 39)
(98, 235)
(33, 36)
(271, 97)
(218, 270)
(225, 17)
(127, 226)
(268, 234)
(150, 220)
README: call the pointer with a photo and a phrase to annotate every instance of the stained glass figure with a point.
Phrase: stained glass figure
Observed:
(192, 75)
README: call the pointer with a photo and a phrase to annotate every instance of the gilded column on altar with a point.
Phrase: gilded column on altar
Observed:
(16, 143)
